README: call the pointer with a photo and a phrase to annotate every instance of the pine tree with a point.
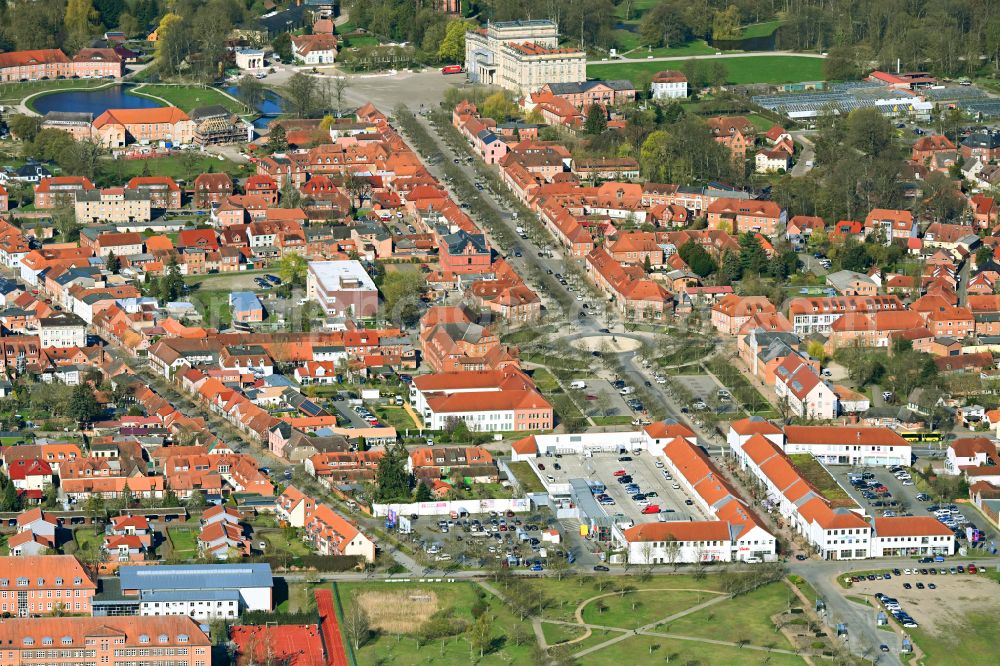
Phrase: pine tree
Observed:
(423, 493)
(113, 263)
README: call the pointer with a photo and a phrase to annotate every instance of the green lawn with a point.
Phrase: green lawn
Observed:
(621, 419)
(545, 381)
(746, 617)
(183, 542)
(760, 123)
(187, 97)
(653, 649)
(526, 477)
(278, 543)
(13, 93)
(453, 602)
(88, 538)
(560, 633)
(361, 40)
(692, 48)
(397, 417)
(214, 306)
(184, 166)
(816, 474)
(968, 642)
(635, 609)
(761, 29)
(299, 598)
(744, 69)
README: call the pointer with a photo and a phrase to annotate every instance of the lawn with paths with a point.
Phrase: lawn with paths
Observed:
(641, 607)
(655, 649)
(740, 70)
(744, 618)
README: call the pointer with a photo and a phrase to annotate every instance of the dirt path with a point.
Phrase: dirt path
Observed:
(646, 628)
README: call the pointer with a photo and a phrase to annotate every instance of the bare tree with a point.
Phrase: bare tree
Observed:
(357, 625)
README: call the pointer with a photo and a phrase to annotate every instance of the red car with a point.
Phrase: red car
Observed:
(652, 508)
(620, 472)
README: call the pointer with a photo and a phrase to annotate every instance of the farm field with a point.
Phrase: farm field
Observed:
(741, 69)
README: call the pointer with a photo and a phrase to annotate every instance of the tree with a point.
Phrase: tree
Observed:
(726, 24)
(282, 45)
(340, 86)
(9, 499)
(663, 25)
(37, 25)
(83, 404)
(498, 107)
(292, 269)
(984, 254)
(423, 493)
(452, 47)
(171, 285)
(112, 263)
(697, 258)
(24, 127)
(129, 24)
(816, 350)
(250, 90)
(81, 21)
(869, 131)
(173, 43)
(753, 259)
(596, 121)
(840, 64)
(480, 634)
(402, 292)
(392, 480)
(357, 625)
(277, 138)
(301, 94)
(940, 197)
(109, 11)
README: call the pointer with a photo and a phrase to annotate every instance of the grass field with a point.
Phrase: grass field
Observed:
(187, 97)
(745, 618)
(816, 474)
(397, 417)
(621, 419)
(186, 167)
(653, 649)
(745, 69)
(760, 123)
(13, 93)
(528, 479)
(545, 381)
(87, 538)
(398, 613)
(692, 48)
(966, 644)
(761, 29)
(278, 543)
(635, 609)
(214, 306)
(183, 542)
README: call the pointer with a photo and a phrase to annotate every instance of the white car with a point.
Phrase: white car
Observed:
(661, 380)
(907, 572)
(675, 486)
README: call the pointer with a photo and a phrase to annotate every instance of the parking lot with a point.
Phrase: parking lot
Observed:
(938, 609)
(600, 398)
(476, 539)
(905, 500)
(645, 474)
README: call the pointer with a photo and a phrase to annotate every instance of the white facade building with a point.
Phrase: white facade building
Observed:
(522, 56)
(200, 591)
(669, 84)
(62, 329)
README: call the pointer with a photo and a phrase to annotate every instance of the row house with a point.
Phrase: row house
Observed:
(742, 215)
(818, 314)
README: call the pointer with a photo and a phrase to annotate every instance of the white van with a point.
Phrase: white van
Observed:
(578, 385)
(628, 390)
(752, 560)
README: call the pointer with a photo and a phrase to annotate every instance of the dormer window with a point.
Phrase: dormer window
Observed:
(164, 638)
(143, 638)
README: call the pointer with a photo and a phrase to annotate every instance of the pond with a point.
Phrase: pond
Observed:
(118, 97)
(270, 108)
(92, 101)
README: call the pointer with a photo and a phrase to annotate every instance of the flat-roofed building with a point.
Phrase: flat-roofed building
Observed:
(199, 590)
(342, 288)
